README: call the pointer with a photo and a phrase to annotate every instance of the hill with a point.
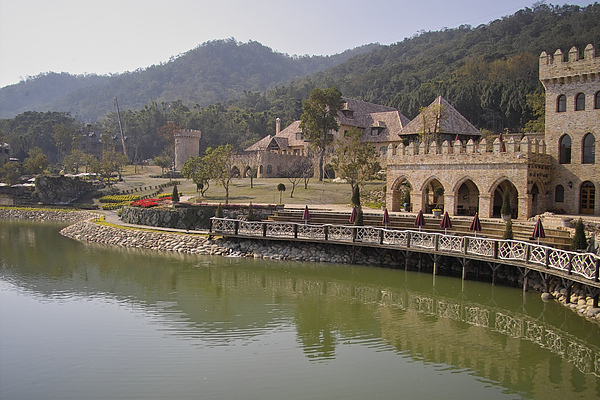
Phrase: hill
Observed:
(215, 71)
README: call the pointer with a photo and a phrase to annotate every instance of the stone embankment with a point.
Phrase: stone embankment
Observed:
(163, 241)
(47, 215)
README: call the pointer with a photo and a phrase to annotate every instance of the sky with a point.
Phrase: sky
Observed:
(113, 36)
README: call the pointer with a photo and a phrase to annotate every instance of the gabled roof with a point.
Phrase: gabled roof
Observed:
(261, 145)
(450, 121)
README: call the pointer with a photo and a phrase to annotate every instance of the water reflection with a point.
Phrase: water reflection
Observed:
(498, 334)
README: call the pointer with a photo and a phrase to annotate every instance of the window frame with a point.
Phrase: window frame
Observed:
(563, 156)
(561, 103)
(588, 152)
(580, 102)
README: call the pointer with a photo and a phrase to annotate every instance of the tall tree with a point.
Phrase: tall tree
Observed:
(197, 171)
(319, 120)
(219, 163)
(354, 160)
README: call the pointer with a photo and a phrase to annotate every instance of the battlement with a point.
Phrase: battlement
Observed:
(555, 67)
(191, 133)
(499, 151)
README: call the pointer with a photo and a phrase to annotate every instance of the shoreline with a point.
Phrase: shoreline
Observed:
(82, 228)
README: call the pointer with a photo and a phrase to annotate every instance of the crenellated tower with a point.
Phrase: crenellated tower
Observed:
(573, 128)
(187, 144)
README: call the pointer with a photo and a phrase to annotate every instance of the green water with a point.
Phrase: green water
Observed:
(81, 321)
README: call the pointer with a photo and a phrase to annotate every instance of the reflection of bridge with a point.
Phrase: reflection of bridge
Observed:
(583, 356)
(571, 267)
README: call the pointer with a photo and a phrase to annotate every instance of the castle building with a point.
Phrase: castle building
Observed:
(187, 144)
(558, 172)
(572, 127)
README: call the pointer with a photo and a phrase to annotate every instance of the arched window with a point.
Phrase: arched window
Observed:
(597, 101)
(559, 194)
(269, 169)
(589, 149)
(580, 102)
(260, 169)
(561, 103)
(383, 149)
(565, 150)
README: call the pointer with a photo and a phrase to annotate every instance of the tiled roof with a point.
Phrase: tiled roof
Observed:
(261, 145)
(450, 122)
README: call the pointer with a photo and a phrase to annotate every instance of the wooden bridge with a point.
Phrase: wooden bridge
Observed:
(572, 267)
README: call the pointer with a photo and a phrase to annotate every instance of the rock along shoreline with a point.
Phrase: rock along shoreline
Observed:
(84, 229)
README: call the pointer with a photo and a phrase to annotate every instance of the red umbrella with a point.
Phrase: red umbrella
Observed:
(353, 215)
(386, 218)
(475, 224)
(420, 221)
(538, 231)
(446, 223)
(306, 215)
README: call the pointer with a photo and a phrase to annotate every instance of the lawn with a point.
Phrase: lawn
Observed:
(264, 190)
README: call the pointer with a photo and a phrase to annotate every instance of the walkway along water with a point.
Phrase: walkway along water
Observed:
(571, 267)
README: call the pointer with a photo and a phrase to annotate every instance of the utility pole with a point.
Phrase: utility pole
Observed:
(120, 127)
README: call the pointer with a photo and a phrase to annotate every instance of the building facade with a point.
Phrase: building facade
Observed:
(187, 144)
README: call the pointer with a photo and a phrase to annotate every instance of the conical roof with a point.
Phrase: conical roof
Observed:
(449, 121)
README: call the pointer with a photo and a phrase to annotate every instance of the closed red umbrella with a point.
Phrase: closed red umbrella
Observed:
(475, 224)
(353, 215)
(420, 221)
(538, 230)
(446, 223)
(386, 218)
(306, 215)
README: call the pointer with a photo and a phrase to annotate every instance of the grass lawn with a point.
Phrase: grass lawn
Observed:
(264, 190)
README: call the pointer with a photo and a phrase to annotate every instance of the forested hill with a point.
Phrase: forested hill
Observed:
(488, 73)
(215, 71)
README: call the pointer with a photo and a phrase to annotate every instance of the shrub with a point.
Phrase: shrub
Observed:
(579, 240)
(175, 195)
(506, 208)
(508, 231)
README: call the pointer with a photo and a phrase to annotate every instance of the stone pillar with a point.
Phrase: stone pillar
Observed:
(187, 144)
(450, 203)
(486, 206)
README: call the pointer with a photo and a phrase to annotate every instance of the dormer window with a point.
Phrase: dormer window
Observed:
(298, 135)
(376, 130)
(348, 114)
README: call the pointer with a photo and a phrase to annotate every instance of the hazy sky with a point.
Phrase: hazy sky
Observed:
(113, 36)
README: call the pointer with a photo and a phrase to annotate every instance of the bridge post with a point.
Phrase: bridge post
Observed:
(547, 259)
(381, 236)
(466, 245)
(408, 240)
(597, 271)
(570, 266)
(264, 229)
(326, 231)
(496, 249)
(236, 227)
(527, 253)
(295, 231)
(210, 227)
(354, 234)
(436, 246)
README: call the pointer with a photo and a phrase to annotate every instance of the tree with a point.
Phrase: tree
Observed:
(64, 137)
(281, 188)
(111, 162)
(506, 208)
(10, 173)
(175, 195)
(37, 162)
(319, 120)
(355, 200)
(298, 171)
(354, 160)
(508, 231)
(219, 164)
(579, 240)
(163, 162)
(196, 170)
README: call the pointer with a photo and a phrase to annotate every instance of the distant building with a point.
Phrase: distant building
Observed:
(4, 153)
(187, 144)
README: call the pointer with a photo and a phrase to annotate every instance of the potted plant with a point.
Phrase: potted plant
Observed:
(437, 212)
(506, 210)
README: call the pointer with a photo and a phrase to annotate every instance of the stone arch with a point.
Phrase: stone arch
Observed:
(466, 197)
(431, 198)
(398, 193)
(497, 190)
(235, 172)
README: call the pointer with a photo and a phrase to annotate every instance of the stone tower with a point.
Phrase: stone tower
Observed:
(573, 128)
(187, 144)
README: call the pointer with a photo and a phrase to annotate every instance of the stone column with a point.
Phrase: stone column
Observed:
(486, 206)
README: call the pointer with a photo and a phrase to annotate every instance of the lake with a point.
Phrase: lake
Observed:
(82, 321)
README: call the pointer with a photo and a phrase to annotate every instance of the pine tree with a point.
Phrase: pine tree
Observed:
(579, 240)
(175, 195)
(356, 196)
(508, 232)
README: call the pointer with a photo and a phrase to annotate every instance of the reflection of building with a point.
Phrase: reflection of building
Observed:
(187, 144)
(557, 173)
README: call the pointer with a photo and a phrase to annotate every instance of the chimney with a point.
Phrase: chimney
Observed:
(277, 126)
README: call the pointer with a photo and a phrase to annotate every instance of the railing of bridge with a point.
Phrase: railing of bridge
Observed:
(585, 265)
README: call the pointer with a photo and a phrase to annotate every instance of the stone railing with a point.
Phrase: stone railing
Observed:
(530, 255)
